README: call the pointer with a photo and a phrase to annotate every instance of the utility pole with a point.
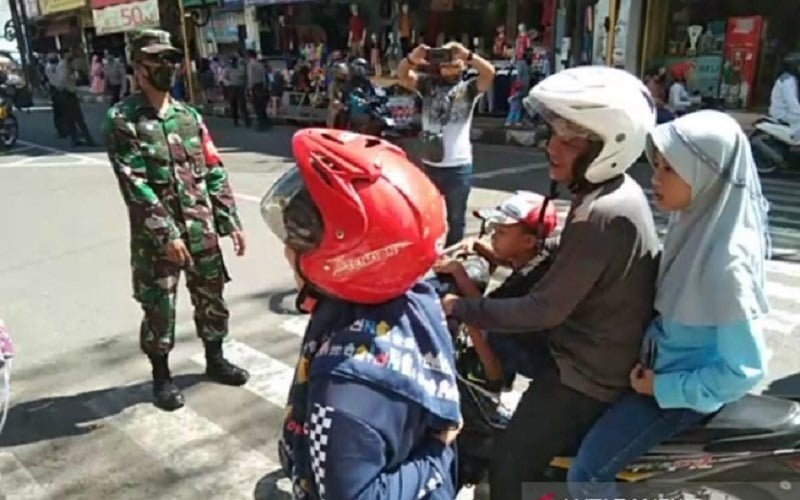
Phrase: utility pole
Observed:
(20, 20)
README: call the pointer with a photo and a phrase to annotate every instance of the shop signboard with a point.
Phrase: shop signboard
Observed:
(224, 26)
(53, 6)
(118, 17)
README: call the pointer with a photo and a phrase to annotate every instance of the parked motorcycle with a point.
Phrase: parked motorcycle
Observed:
(370, 114)
(773, 147)
(9, 125)
(760, 431)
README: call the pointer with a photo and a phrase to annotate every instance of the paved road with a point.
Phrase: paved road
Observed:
(81, 426)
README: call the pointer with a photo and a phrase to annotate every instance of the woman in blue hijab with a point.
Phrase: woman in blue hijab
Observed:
(705, 347)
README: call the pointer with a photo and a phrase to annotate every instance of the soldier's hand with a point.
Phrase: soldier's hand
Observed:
(239, 243)
(177, 253)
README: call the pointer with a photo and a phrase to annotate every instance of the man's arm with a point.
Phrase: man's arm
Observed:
(223, 203)
(485, 69)
(408, 77)
(146, 210)
(579, 263)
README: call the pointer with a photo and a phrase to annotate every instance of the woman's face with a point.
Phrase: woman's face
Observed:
(671, 192)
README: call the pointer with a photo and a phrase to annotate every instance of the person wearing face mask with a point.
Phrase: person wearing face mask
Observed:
(596, 299)
(448, 103)
(179, 204)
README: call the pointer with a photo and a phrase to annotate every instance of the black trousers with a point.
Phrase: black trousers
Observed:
(57, 100)
(260, 98)
(73, 118)
(550, 420)
(238, 104)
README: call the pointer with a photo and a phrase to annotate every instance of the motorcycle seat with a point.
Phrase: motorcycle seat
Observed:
(766, 118)
(752, 423)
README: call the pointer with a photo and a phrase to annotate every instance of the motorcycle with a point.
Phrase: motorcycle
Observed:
(762, 431)
(773, 147)
(9, 125)
(369, 114)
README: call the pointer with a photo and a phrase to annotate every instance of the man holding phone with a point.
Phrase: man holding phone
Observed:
(448, 103)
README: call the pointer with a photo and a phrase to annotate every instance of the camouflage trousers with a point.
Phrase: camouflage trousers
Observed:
(155, 287)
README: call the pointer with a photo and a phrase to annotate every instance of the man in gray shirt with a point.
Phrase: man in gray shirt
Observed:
(596, 299)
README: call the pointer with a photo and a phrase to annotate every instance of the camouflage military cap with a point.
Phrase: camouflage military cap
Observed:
(151, 42)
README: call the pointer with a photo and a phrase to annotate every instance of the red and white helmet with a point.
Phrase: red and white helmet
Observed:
(365, 221)
(601, 103)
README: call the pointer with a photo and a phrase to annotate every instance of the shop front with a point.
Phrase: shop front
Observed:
(225, 32)
(734, 46)
(112, 19)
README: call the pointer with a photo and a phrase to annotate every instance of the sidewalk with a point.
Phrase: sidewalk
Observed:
(485, 129)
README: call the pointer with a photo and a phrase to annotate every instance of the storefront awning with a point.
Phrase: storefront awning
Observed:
(53, 6)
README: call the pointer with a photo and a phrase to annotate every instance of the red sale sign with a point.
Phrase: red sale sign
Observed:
(129, 16)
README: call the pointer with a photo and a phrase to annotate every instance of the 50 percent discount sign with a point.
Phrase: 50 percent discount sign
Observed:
(126, 17)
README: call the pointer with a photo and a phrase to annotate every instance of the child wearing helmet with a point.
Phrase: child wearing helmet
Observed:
(374, 406)
(596, 299)
(519, 228)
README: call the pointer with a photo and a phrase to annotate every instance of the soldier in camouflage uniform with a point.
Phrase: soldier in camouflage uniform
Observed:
(179, 203)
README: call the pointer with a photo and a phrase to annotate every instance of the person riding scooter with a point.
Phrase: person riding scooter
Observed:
(358, 94)
(784, 103)
(597, 297)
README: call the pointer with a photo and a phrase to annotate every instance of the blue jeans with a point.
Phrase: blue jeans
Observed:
(627, 430)
(455, 184)
(525, 353)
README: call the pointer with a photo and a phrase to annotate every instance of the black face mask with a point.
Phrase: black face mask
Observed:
(160, 77)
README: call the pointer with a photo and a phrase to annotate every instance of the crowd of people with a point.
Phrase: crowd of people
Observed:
(627, 342)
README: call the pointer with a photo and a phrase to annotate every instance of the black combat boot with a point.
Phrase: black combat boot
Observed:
(220, 369)
(166, 394)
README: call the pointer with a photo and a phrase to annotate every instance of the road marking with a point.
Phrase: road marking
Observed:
(215, 461)
(270, 378)
(16, 483)
(80, 156)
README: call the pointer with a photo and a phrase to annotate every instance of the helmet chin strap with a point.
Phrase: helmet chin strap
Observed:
(307, 296)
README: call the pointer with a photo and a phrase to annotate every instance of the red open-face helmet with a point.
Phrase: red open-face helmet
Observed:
(365, 222)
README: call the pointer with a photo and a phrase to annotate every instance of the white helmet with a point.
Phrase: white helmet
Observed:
(601, 103)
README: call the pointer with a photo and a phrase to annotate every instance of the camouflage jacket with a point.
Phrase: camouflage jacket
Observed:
(170, 175)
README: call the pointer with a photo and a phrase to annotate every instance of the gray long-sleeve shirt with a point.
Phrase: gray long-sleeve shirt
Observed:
(596, 300)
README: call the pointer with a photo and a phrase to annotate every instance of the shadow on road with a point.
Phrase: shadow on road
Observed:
(63, 416)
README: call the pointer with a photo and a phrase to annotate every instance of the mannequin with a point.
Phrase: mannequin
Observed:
(286, 35)
(406, 29)
(523, 42)
(499, 47)
(357, 32)
(375, 55)
(393, 54)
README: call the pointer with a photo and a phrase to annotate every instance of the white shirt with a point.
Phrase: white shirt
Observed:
(783, 102)
(449, 110)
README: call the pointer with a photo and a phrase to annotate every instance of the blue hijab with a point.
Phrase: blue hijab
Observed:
(401, 347)
(712, 268)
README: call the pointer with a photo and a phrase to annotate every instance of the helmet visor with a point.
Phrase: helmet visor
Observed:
(278, 198)
(559, 125)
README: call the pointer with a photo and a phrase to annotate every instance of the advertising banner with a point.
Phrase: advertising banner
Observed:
(130, 16)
